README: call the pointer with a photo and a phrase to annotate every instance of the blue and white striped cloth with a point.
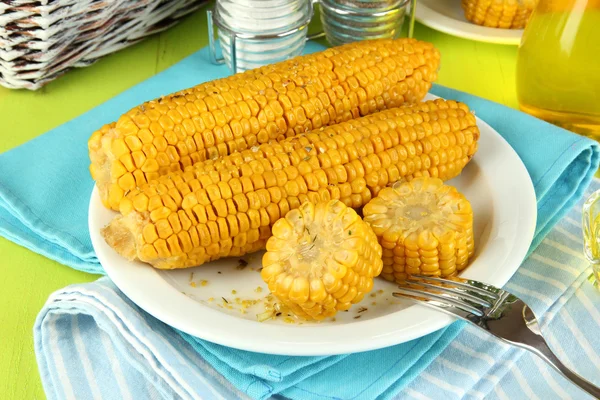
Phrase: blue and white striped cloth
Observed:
(92, 342)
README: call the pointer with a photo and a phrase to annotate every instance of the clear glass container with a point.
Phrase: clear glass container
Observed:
(346, 21)
(591, 233)
(267, 31)
(558, 65)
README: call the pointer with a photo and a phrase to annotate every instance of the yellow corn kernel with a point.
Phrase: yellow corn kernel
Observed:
(159, 213)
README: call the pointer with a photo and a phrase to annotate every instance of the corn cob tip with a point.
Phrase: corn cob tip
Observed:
(125, 235)
(119, 235)
(321, 258)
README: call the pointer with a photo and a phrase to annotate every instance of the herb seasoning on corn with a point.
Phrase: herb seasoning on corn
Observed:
(244, 110)
(424, 227)
(321, 259)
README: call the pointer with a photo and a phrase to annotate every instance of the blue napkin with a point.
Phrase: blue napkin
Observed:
(92, 342)
(42, 176)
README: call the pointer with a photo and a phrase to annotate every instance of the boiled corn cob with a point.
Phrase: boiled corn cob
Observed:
(226, 207)
(424, 227)
(508, 14)
(321, 259)
(270, 103)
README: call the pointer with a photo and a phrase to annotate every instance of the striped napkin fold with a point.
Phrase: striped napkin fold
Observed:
(92, 342)
(554, 282)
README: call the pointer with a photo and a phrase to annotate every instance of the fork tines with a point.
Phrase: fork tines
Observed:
(459, 293)
(465, 284)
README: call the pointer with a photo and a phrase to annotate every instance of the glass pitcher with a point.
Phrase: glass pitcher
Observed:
(591, 234)
(558, 65)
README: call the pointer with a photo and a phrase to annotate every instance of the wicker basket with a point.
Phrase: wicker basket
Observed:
(40, 40)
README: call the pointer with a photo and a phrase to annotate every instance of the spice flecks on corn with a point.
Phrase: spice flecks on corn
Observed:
(226, 207)
(424, 227)
(270, 103)
(321, 259)
(508, 14)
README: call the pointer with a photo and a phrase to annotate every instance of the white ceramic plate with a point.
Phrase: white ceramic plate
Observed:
(502, 196)
(447, 16)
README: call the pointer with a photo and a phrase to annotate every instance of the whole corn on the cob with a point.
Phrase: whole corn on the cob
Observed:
(508, 14)
(424, 227)
(226, 207)
(321, 259)
(270, 103)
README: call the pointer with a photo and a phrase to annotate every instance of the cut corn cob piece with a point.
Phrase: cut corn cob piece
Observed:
(508, 14)
(270, 103)
(424, 227)
(321, 259)
(226, 207)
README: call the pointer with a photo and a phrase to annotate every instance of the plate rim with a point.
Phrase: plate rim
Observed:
(466, 30)
(220, 333)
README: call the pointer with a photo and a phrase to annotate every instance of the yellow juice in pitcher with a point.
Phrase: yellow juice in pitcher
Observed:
(558, 66)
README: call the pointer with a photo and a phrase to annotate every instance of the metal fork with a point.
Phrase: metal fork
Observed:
(494, 310)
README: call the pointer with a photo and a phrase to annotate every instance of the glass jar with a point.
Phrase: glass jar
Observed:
(591, 233)
(347, 21)
(558, 65)
(266, 31)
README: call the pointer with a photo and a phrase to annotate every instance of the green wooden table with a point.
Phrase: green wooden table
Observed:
(27, 279)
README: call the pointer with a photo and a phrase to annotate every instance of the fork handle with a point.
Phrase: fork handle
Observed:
(537, 345)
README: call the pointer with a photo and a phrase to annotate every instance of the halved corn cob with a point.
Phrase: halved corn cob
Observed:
(321, 259)
(226, 207)
(508, 14)
(273, 102)
(424, 227)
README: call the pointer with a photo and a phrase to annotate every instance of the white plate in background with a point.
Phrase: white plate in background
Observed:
(447, 16)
